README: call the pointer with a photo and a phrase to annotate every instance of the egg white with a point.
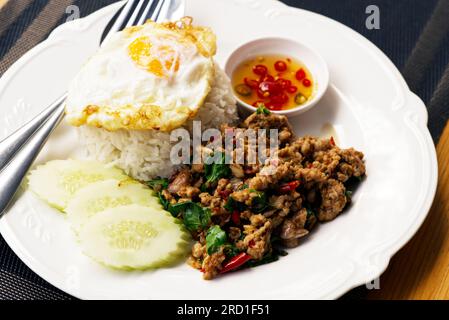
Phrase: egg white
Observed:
(119, 88)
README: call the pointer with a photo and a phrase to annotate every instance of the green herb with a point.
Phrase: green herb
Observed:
(177, 208)
(263, 110)
(268, 258)
(311, 217)
(232, 205)
(162, 182)
(243, 186)
(195, 217)
(164, 202)
(231, 250)
(215, 238)
(215, 171)
(348, 194)
(259, 203)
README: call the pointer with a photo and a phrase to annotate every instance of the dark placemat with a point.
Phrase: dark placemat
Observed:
(413, 34)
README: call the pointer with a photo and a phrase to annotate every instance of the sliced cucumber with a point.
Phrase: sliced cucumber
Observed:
(107, 194)
(134, 237)
(58, 180)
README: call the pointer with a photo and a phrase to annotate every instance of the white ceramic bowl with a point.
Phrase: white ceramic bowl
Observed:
(269, 46)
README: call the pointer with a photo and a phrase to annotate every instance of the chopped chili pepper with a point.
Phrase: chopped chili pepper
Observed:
(278, 81)
(306, 83)
(254, 84)
(280, 66)
(284, 83)
(252, 243)
(235, 217)
(260, 70)
(289, 186)
(236, 262)
(292, 89)
(300, 74)
(332, 141)
(267, 77)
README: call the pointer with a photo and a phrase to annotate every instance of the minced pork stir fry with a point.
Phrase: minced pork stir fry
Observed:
(241, 218)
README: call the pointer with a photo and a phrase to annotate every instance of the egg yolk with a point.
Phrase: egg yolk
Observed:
(140, 51)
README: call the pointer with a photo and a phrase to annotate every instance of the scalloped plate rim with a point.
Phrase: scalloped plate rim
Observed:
(408, 96)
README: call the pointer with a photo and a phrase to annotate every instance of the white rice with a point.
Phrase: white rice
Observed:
(145, 154)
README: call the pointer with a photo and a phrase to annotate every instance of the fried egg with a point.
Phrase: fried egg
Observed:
(154, 76)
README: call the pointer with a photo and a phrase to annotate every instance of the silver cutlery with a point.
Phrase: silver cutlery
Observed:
(19, 150)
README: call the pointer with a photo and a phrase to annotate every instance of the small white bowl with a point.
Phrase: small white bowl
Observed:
(274, 46)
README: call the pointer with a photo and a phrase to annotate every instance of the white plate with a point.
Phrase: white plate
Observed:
(368, 103)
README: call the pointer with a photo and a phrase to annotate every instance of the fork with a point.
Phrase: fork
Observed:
(19, 150)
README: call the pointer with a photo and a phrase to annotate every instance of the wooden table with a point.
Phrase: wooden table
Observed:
(421, 269)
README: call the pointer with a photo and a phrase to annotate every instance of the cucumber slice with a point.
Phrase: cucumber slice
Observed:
(58, 180)
(134, 237)
(107, 194)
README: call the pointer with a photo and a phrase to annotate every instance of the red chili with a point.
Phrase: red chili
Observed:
(254, 84)
(284, 83)
(262, 94)
(289, 186)
(260, 70)
(332, 141)
(292, 89)
(236, 262)
(235, 217)
(266, 77)
(300, 74)
(280, 66)
(279, 100)
(306, 82)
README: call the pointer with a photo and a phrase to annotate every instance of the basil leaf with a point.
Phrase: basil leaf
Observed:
(232, 205)
(348, 194)
(196, 217)
(215, 238)
(311, 217)
(231, 250)
(177, 208)
(163, 201)
(267, 258)
(215, 171)
(259, 203)
(162, 182)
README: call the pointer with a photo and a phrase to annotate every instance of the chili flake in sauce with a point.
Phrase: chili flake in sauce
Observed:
(279, 82)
